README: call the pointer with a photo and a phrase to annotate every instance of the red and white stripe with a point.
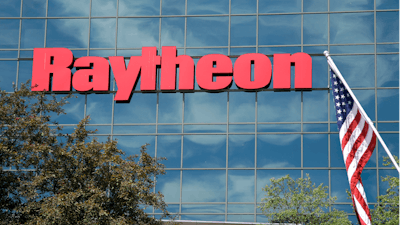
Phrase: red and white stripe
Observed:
(358, 142)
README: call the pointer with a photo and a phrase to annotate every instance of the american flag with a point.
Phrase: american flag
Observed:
(358, 142)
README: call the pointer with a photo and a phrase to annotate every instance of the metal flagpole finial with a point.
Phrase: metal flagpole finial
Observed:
(326, 53)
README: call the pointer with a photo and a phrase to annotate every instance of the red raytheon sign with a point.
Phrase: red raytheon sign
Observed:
(213, 72)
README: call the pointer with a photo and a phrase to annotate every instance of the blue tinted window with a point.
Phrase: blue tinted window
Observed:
(203, 208)
(9, 54)
(315, 150)
(369, 180)
(387, 29)
(9, 71)
(207, 31)
(387, 48)
(10, 8)
(203, 107)
(32, 33)
(195, 7)
(69, 33)
(319, 71)
(318, 177)
(264, 176)
(347, 28)
(204, 128)
(279, 106)
(33, 8)
(352, 49)
(392, 142)
(71, 8)
(104, 7)
(204, 151)
(241, 186)
(278, 150)
(241, 218)
(131, 145)
(279, 30)
(358, 71)
(339, 185)
(315, 29)
(139, 8)
(99, 107)
(170, 147)
(315, 106)
(241, 151)
(241, 208)
(387, 4)
(25, 71)
(388, 105)
(137, 32)
(169, 185)
(243, 6)
(272, 6)
(243, 30)
(141, 109)
(387, 70)
(203, 186)
(278, 128)
(241, 107)
(102, 53)
(170, 108)
(173, 7)
(315, 5)
(9, 33)
(74, 111)
(146, 129)
(102, 33)
(172, 31)
(345, 5)
(336, 151)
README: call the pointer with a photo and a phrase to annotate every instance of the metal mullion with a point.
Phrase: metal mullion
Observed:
(376, 101)
(329, 126)
(19, 46)
(227, 155)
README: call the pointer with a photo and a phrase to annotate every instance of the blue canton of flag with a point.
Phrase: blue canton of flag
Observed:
(343, 101)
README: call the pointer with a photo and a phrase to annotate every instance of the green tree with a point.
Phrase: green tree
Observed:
(300, 202)
(68, 178)
(387, 209)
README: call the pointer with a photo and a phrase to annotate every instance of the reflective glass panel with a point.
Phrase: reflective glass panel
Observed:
(387, 48)
(388, 105)
(315, 29)
(170, 147)
(102, 33)
(384, 185)
(137, 32)
(240, 128)
(139, 8)
(243, 30)
(131, 144)
(264, 176)
(203, 107)
(318, 177)
(74, 111)
(272, 6)
(204, 151)
(9, 71)
(10, 8)
(387, 29)
(207, 31)
(357, 70)
(345, 5)
(315, 106)
(279, 30)
(241, 218)
(278, 127)
(104, 7)
(243, 6)
(392, 142)
(388, 70)
(339, 185)
(241, 208)
(169, 128)
(347, 28)
(141, 109)
(319, 71)
(204, 217)
(241, 186)
(173, 7)
(241, 151)
(25, 71)
(99, 107)
(368, 178)
(195, 7)
(9, 54)
(352, 49)
(241, 107)
(315, 127)
(32, 33)
(279, 106)
(315, 5)
(204, 128)
(278, 150)
(387, 4)
(9, 33)
(70, 8)
(172, 31)
(203, 208)
(69, 33)
(203, 186)
(170, 108)
(134, 129)
(33, 8)
(169, 185)
(315, 150)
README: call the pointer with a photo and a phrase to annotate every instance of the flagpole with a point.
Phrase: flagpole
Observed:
(337, 72)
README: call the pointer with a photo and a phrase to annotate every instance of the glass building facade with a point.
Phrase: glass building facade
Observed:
(222, 148)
